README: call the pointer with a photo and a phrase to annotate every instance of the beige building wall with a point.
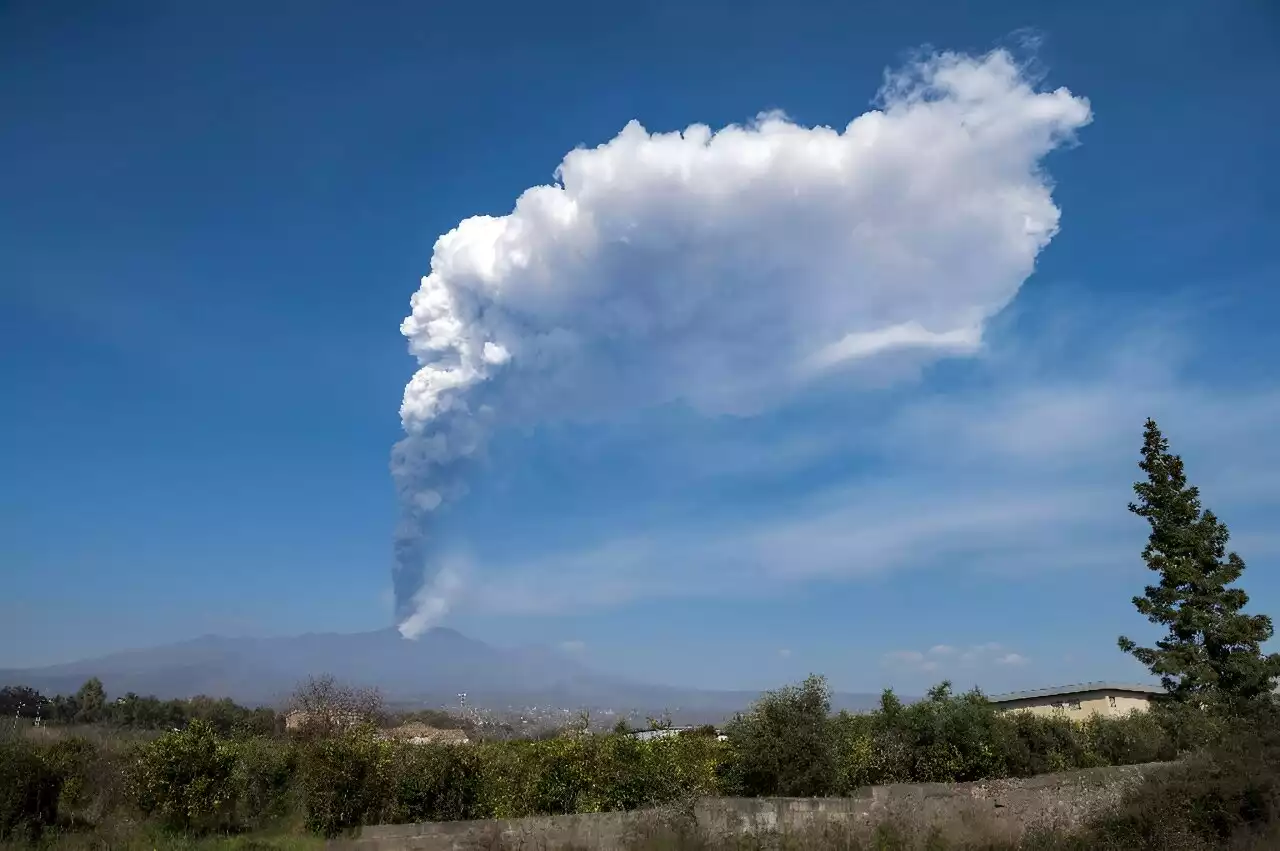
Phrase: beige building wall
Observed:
(296, 718)
(1081, 704)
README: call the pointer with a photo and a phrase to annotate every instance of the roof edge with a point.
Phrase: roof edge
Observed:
(1078, 688)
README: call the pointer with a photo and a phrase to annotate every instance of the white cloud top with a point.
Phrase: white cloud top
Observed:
(727, 268)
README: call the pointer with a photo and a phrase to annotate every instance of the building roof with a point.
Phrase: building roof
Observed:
(661, 733)
(419, 730)
(1080, 688)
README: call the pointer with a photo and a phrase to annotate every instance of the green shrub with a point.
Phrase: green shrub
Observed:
(944, 738)
(1188, 728)
(788, 744)
(1135, 739)
(508, 770)
(561, 774)
(1227, 796)
(187, 780)
(346, 780)
(628, 773)
(266, 773)
(73, 760)
(93, 777)
(687, 766)
(952, 738)
(595, 774)
(29, 791)
(1042, 744)
(785, 744)
(435, 783)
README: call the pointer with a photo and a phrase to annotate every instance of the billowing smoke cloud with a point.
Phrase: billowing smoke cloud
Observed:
(725, 269)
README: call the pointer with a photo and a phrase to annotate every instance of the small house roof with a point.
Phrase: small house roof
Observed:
(1079, 688)
(419, 730)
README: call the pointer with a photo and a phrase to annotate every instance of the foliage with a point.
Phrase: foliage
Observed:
(72, 760)
(21, 702)
(1212, 650)
(135, 712)
(550, 776)
(596, 773)
(1227, 796)
(228, 718)
(783, 746)
(148, 713)
(944, 738)
(265, 773)
(688, 767)
(1141, 738)
(953, 738)
(187, 779)
(346, 780)
(1190, 728)
(1040, 744)
(91, 701)
(92, 775)
(28, 792)
(198, 780)
(559, 773)
(435, 783)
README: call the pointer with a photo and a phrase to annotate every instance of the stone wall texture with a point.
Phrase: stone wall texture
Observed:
(992, 809)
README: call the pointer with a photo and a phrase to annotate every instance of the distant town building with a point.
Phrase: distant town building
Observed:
(417, 733)
(662, 733)
(299, 718)
(1080, 701)
(666, 732)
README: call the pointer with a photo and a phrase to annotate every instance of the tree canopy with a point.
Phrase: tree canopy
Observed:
(1212, 650)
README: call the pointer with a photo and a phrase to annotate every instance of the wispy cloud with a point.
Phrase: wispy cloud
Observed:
(912, 659)
(1026, 470)
(944, 658)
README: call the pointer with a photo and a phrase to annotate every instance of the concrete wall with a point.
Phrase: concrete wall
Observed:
(1090, 703)
(986, 810)
(992, 809)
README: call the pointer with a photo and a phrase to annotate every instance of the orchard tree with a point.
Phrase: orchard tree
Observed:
(1212, 651)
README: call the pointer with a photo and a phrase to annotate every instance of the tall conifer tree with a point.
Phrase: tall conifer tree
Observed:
(1213, 650)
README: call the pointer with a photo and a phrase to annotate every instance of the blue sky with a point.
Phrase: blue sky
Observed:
(214, 216)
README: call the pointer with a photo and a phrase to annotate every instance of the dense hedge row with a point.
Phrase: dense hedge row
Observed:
(789, 745)
(131, 711)
(197, 780)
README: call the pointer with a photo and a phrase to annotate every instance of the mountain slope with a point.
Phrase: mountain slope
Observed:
(432, 670)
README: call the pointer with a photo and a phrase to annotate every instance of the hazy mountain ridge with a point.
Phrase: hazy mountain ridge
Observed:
(431, 670)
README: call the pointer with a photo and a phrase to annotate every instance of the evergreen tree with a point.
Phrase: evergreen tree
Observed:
(1212, 651)
(91, 701)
